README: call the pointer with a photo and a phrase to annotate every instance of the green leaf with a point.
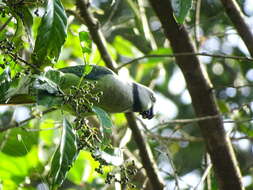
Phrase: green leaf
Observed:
(19, 86)
(87, 69)
(181, 8)
(224, 108)
(19, 142)
(246, 128)
(86, 44)
(45, 84)
(54, 75)
(81, 166)
(48, 100)
(104, 119)
(160, 51)
(49, 82)
(14, 170)
(84, 36)
(5, 82)
(125, 47)
(51, 34)
(64, 155)
(48, 90)
(20, 31)
(27, 20)
(25, 15)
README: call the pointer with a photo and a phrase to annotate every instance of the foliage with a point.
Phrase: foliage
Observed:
(82, 150)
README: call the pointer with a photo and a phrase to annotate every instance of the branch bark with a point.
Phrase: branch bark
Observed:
(98, 38)
(236, 16)
(95, 32)
(218, 145)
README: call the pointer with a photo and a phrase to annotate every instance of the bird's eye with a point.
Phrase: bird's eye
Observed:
(152, 97)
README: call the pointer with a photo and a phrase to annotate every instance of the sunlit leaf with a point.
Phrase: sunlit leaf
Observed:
(64, 155)
(14, 170)
(18, 142)
(51, 34)
(104, 119)
(87, 69)
(125, 47)
(45, 84)
(86, 44)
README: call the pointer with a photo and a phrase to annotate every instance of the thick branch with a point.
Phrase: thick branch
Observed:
(236, 16)
(95, 32)
(219, 147)
(145, 154)
(97, 37)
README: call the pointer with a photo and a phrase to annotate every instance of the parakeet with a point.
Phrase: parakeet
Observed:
(118, 95)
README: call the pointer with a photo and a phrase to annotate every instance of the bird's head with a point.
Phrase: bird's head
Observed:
(144, 100)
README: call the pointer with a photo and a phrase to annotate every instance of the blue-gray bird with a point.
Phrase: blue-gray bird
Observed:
(118, 95)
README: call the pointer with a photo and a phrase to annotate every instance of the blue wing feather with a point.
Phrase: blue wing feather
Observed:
(96, 73)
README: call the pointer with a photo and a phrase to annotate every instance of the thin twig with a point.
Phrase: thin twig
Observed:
(189, 138)
(196, 23)
(21, 123)
(145, 25)
(162, 144)
(195, 120)
(5, 24)
(14, 56)
(209, 167)
(112, 13)
(187, 121)
(184, 54)
(232, 86)
(175, 139)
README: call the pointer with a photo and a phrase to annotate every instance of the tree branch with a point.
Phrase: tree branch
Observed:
(146, 156)
(145, 153)
(217, 144)
(14, 56)
(95, 32)
(198, 119)
(5, 24)
(21, 123)
(236, 16)
(184, 54)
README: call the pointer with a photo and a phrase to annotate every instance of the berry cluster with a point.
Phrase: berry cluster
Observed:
(126, 171)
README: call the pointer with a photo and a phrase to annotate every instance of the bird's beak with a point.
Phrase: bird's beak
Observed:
(148, 114)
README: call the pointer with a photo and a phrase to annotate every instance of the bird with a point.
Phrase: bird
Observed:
(118, 95)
